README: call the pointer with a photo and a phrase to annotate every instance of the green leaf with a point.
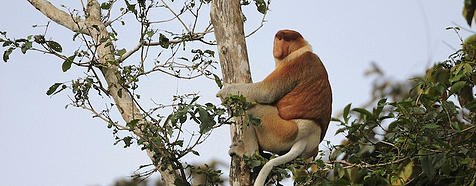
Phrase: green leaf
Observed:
(381, 103)
(362, 112)
(457, 86)
(194, 99)
(121, 52)
(6, 43)
(254, 163)
(127, 141)
(26, 46)
(39, 39)
(211, 52)
(194, 152)
(261, 6)
(427, 167)
(20, 40)
(132, 124)
(150, 33)
(207, 121)
(6, 54)
(468, 11)
(336, 120)
(131, 7)
(471, 105)
(54, 46)
(67, 63)
(53, 88)
(218, 81)
(430, 126)
(180, 182)
(346, 113)
(163, 41)
(106, 6)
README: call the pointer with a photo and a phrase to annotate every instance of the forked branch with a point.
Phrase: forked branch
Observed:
(59, 16)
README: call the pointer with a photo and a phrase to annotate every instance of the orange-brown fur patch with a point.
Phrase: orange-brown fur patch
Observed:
(288, 35)
(311, 98)
(274, 132)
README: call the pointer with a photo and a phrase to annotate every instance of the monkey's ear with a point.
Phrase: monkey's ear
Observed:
(288, 35)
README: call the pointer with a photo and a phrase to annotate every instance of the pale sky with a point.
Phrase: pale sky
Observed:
(42, 143)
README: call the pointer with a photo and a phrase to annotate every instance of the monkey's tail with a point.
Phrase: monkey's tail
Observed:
(295, 151)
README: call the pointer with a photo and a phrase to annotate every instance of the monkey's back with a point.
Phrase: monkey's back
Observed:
(312, 96)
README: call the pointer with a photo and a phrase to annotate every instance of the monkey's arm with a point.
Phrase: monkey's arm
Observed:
(272, 88)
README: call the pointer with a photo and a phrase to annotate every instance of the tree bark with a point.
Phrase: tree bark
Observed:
(227, 20)
(94, 27)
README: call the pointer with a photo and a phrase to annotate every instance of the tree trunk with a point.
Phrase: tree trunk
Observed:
(227, 20)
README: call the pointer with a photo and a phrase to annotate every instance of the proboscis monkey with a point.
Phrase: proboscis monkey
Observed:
(294, 104)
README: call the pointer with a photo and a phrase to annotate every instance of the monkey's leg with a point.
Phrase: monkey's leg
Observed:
(274, 134)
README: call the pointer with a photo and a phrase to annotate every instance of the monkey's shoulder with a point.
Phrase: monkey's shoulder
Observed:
(308, 57)
(308, 62)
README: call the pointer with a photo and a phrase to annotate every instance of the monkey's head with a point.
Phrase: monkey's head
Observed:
(286, 42)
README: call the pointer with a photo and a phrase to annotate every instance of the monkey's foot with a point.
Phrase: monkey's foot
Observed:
(237, 149)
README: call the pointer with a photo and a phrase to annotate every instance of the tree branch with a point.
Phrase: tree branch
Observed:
(197, 36)
(59, 16)
(176, 15)
(350, 165)
(261, 23)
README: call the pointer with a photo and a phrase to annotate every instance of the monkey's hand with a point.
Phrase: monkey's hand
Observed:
(237, 149)
(234, 89)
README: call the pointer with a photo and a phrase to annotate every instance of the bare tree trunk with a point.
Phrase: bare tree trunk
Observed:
(94, 27)
(227, 20)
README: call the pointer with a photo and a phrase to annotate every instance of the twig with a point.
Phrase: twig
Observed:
(96, 114)
(464, 130)
(261, 23)
(468, 30)
(196, 36)
(115, 19)
(391, 144)
(166, 20)
(167, 6)
(82, 5)
(196, 16)
(350, 165)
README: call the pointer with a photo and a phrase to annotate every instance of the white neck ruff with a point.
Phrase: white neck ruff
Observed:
(293, 55)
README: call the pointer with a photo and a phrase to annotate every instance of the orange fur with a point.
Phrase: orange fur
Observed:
(312, 96)
(283, 132)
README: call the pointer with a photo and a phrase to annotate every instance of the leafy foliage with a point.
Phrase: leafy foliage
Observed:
(427, 138)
